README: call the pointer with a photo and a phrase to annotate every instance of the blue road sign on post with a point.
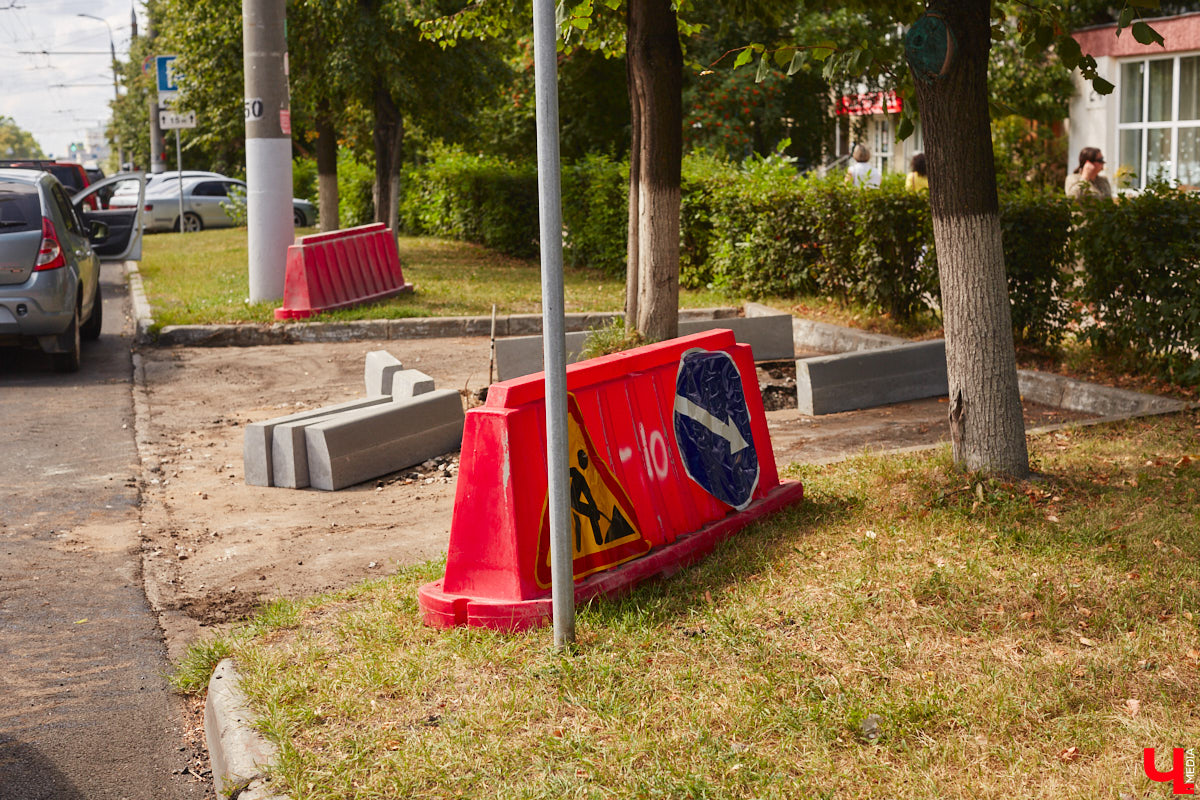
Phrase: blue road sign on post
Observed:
(712, 427)
(165, 70)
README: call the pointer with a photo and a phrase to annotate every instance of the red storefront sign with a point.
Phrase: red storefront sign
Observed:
(864, 105)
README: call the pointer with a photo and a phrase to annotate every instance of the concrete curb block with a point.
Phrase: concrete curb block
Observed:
(1110, 404)
(1076, 395)
(768, 334)
(143, 316)
(240, 755)
(870, 378)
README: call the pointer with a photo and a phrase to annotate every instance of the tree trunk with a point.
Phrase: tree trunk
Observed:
(986, 426)
(388, 140)
(655, 64)
(327, 169)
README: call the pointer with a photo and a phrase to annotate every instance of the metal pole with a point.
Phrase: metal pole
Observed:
(158, 159)
(270, 229)
(179, 169)
(116, 99)
(112, 49)
(545, 66)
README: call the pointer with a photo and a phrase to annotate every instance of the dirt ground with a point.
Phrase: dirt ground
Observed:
(214, 548)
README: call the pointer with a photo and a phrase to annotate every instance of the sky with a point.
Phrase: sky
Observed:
(64, 87)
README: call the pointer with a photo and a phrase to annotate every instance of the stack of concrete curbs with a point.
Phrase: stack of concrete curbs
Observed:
(402, 421)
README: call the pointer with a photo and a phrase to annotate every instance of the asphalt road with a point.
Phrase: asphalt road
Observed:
(85, 712)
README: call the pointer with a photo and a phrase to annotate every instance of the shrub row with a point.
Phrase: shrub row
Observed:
(1142, 286)
(1127, 274)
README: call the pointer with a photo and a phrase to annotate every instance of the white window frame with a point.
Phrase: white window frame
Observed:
(1174, 125)
(881, 149)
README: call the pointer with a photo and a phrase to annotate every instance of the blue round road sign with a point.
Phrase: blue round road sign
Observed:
(712, 427)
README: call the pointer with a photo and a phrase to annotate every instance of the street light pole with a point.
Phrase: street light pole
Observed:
(112, 48)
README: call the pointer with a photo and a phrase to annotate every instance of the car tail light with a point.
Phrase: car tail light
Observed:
(50, 254)
(149, 207)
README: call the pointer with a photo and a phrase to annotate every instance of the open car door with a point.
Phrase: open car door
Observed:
(124, 240)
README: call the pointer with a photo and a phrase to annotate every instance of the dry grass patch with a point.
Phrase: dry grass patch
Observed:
(909, 631)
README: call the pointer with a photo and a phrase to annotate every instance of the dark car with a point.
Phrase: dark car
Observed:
(72, 176)
(51, 248)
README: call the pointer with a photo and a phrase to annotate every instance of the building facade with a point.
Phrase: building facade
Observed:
(1149, 127)
(871, 118)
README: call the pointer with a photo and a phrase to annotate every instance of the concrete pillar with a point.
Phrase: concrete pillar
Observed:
(268, 146)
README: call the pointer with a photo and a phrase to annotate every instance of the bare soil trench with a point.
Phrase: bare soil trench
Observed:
(215, 548)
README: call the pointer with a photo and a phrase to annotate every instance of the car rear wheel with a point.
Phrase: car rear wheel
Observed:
(69, 361)
(191, 223)
(298, 218)
(90, 330)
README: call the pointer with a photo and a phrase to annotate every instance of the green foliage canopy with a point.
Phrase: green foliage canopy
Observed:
(16, 142)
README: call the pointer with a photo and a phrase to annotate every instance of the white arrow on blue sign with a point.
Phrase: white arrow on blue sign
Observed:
(712, 427)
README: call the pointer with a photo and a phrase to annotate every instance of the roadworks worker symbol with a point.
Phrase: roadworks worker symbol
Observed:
(604, 531)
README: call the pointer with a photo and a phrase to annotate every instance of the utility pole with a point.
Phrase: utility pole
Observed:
(268, 146)
(158, 156)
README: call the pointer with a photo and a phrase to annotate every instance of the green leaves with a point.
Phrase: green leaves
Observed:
(1144, 34)
(1068, 52)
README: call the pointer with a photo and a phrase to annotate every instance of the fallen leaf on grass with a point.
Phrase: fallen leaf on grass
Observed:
(1069, 755)
(1086, 642)
(1183, 462)
(1051, 518)
(1133, 706)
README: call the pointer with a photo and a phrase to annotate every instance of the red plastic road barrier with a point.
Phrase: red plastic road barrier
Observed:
(339, 269)
(669, 454)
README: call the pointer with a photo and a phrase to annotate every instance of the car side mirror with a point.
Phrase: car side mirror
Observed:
(97, 231)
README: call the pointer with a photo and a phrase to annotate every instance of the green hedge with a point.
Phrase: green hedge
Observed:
(475, 199)
(1036, 229)
(1141, 284)
(595, 193)
(773, 231)
(762, 228)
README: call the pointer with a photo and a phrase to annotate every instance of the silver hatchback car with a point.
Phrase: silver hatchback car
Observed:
(51, 248)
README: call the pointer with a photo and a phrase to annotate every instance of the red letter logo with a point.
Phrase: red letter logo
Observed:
(1177, 775)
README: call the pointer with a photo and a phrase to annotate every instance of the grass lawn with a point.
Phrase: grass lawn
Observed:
(908, 631)
(202, 278)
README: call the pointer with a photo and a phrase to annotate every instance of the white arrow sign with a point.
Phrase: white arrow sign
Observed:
(727, 430)
(169, 120)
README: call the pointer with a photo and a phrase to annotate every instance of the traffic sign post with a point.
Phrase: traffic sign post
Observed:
(172, 120)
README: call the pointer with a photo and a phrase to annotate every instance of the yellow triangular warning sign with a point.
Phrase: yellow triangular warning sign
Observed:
(604, 527)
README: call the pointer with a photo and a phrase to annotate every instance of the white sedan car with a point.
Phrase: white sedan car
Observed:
(210, 200)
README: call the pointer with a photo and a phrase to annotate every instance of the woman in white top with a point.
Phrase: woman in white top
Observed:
(861, 173)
